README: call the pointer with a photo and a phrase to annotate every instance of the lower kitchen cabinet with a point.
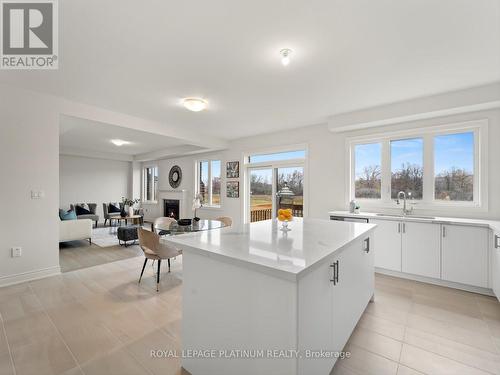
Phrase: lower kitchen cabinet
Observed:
(388, 244)
(465, 254)
(421, 251)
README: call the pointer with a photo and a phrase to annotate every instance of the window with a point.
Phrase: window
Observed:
(209, 182)
(437, 167)
(454, 167)
(407, 159)
(275, 180)
(278, 156)
(149, 184)
(216, 172)
(367, 172)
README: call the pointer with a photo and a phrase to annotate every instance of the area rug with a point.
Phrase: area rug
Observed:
(104, 237)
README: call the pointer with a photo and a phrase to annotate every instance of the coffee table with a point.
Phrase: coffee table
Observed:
(134, 219)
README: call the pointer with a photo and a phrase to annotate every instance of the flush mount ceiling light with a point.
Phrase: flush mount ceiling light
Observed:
(119, 142)
(285, 56)
(195, 104)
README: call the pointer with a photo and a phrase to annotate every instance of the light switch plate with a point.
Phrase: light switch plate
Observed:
(37, 194)
(16, 252)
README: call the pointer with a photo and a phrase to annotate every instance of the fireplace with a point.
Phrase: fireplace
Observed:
(171, 208)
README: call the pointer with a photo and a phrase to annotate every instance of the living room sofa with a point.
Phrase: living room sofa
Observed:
(92, 216)
(74, 230)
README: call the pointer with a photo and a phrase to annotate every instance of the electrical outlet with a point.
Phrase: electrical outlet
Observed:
(16, 252)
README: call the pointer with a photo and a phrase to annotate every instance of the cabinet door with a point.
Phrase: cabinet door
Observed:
(352, 291)
(421, 250)
(465, 254)
(388, 244)
(495, 264)
(315, 311)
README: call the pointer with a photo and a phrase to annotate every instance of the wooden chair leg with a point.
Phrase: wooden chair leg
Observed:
(143, 266)
(158, 276)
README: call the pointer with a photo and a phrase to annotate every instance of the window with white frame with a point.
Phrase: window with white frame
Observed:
(149, 184)
(208, 182)
(433, 166)
(367, 170)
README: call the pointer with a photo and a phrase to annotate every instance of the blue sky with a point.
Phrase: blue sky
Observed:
(405, 151)
(451, 150)
(366, 155)
(454, 150)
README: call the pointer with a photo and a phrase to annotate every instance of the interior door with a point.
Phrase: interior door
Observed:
(261, 194)
(421, 251)
(388, 244)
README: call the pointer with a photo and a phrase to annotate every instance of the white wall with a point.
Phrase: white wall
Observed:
(326, 167)
(29, 160)
(92, 180)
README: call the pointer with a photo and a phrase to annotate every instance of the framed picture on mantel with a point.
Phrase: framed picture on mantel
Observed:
(233, 169)
(233, 189)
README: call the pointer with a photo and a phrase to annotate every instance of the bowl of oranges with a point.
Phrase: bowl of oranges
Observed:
(285, 215)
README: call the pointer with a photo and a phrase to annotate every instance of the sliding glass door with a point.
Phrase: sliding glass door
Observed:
(290, 190)
(274, 188)
(261, 193)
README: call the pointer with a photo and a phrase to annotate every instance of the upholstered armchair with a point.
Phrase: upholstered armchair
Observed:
(92, 215)
(109, 215)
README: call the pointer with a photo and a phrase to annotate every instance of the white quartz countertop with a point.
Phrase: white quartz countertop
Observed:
(493, 224)
(264, 246)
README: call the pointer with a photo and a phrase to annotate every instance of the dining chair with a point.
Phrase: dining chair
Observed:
(226, 220)
(155, 250)
(162, 224)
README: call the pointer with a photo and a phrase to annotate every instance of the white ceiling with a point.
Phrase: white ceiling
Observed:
(80, 135)
(142, 57)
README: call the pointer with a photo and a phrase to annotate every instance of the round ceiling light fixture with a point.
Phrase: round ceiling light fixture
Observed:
(195, 104)
(285, 56)
(119, 142)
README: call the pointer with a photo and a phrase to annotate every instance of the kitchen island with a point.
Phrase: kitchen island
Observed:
(257, 300)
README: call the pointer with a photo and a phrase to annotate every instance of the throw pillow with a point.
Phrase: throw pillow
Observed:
(83, 209)
(114, 207)
(67, 215)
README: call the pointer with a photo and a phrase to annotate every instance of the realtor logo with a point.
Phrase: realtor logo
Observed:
(29, 34)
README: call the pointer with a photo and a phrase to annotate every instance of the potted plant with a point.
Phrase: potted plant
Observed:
(128, 206)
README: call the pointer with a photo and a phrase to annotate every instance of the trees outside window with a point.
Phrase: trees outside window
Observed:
(436, 166)
(454, 167)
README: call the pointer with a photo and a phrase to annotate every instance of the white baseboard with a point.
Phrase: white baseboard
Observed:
(28, 276)
(430, 280)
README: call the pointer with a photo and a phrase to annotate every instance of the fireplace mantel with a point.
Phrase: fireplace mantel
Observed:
(182, 196)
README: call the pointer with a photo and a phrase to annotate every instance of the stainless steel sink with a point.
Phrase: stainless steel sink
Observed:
(407, 216)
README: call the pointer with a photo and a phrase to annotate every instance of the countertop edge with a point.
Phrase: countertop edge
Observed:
(492, 224)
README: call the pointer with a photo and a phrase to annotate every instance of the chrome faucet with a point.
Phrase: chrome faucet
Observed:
(406, 211)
